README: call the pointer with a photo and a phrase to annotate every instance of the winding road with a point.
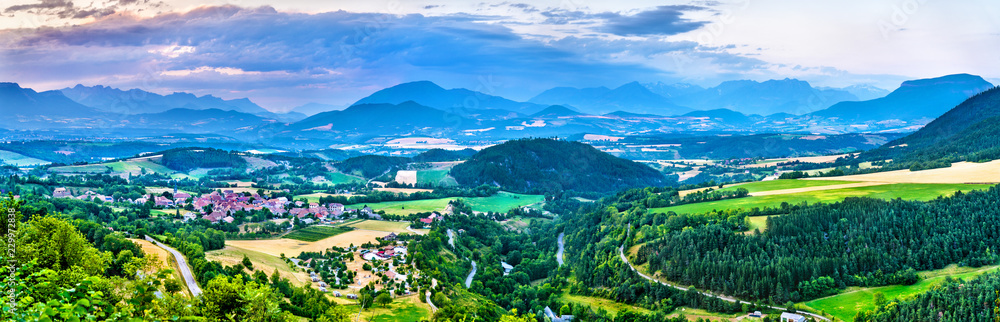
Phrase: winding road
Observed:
(562, 249)
(621, 252)
(468, 280)
(451, 238)
(182, 264)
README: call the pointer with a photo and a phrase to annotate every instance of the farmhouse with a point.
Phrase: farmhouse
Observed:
(390, 236)
(61, 193)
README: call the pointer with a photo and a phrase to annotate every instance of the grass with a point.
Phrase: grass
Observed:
(405, 309)
(758, 222)
(20, 160)
(341, 178)
(783, 185)
(597, 302)
(845, 305)
(379, 225)
(908, 191)
(313, 197)
(501, 202)
(267, 263)
(437, 177)
(134, 167)
(314, 233)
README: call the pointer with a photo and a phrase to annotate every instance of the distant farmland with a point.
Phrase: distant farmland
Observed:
(315, 233)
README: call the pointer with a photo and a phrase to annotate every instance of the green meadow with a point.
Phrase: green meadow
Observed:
(783, 185)
(314, 233)
(907, 191)
(501, 202)
(845, 305)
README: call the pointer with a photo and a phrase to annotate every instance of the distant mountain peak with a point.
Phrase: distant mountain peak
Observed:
(555, 111)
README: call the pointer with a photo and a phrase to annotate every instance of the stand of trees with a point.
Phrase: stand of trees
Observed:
(818, 249)
(952, 301)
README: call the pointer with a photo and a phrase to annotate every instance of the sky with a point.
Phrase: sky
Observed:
(282, 54)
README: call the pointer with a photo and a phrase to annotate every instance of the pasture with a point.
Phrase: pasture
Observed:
(20, 160)
(772, 185)
(314, 233)
(292, 248)
(501, 202)
(845, 305)
(406, 308)
(908, 191)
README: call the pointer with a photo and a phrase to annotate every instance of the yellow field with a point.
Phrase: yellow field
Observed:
(386, 226)
(959, 172)
(164, 260)
(292, 248)
(232, 255)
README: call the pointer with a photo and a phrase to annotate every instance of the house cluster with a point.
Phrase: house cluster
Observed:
(433, 217)
(89, 195)
(383, 253)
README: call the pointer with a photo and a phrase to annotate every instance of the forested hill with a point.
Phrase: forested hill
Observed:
(970, 131)
(546, 165)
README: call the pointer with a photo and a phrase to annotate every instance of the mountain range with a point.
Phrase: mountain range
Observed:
(424, 108)
(136, 101)
(915, 100)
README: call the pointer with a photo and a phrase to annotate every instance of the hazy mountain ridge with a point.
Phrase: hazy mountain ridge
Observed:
(913, 101)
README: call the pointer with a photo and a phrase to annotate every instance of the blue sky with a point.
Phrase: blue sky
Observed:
(287, 53)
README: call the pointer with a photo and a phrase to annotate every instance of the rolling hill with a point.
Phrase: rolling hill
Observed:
(922, 99)
(208, 120)
(547, 165)
(381, 118)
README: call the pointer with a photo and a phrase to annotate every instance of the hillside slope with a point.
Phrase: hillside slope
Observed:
(970, 131)
(546, 165)
(913, 100)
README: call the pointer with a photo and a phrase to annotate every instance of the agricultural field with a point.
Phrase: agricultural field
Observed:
(845, 305)
(292, 248)
(783, 185)
(380, 225)
(314, 233)
(908, 191)
(232, 255)
(134, 167)
(20, 160)
(314, 197)
(959, 172)
(501, 202)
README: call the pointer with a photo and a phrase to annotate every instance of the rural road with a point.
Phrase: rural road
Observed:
(185, 270)
(451, 238)
(621, 252)
(468, 280)
(562, 248)
(434, 284)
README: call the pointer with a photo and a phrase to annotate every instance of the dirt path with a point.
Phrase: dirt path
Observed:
(818, 188)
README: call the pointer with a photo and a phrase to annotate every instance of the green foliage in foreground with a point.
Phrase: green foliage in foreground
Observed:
(314, 233)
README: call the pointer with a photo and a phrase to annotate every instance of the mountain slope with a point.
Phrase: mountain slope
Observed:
(429, 94)
(765, 98)
(556, 111)
(209, 120)
(136, 101)
(632, 97)
(26, 108)
(970, 131)
(913, 101)
(546, 165)
(377, 119)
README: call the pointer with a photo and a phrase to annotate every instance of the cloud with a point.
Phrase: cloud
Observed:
(65, 9)
(272, 54)
(664, 20)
